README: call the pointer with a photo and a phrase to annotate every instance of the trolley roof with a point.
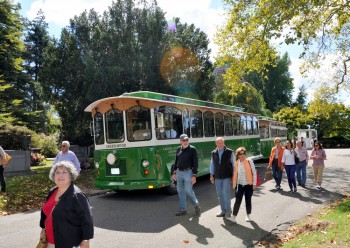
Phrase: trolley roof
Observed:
(153, 99)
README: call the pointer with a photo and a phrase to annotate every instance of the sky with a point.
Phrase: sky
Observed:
(204, 14)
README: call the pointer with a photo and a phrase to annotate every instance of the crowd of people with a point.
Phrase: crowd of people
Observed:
(231, 170)
(66, 218)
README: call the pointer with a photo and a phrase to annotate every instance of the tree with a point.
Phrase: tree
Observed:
(294, 118)
(330, 119)
(301, 97)
(36, 41)
(12, 83)
(120, 51)
(249, 99)
(276, 86)
(320, 27)
(186, 66)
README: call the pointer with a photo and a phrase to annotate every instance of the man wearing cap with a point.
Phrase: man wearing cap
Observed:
(185, 171)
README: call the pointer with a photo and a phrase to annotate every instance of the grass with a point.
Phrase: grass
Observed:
(327, 228)
(25, 193)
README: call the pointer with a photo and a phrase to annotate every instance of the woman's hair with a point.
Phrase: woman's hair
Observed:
(291, 143)
(69, 166)
(277, 139)
(319, 145)
(239, 150)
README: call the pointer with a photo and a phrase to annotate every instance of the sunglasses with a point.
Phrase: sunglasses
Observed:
(63, 146)
(241, 154)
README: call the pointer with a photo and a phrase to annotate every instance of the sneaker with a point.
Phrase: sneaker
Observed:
(180, 213)
(295, 189)
(232, 218)
(247, 218)
(290, 190)
(303, 185)
(222, 214)
(198, 210)
(299, 184)
(318, 187)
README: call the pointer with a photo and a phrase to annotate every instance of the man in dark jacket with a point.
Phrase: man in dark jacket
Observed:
(221, 169)
(185, 172)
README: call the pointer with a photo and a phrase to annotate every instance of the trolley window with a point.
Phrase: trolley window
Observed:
(228, 125)
(219, 124)
(99, 137)
(138, 122)
(168, 122)
(209, 124)
(114, 126)
(196, 124)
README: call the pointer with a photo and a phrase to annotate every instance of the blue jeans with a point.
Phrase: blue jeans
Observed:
(223, 191)
(290, 169)
(276, 172)
(301, 172)
(185, 189)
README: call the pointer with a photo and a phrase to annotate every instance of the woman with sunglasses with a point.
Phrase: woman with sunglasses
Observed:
(318, 155)
(244, 181)
(288, 162)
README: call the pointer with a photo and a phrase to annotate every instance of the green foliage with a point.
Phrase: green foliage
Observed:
(301, 97)
(11, 47)
(36, 41)
(249, 99)
(120, 51)
(330, 119)
(319, 27)
(12, 136)
(277, 85)
(293, 117)
(49, 147)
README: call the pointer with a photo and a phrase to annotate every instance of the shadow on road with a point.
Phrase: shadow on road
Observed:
(246, 234)
(201, 232)
(151, 211)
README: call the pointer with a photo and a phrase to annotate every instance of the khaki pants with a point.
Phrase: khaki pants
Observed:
(318, 172)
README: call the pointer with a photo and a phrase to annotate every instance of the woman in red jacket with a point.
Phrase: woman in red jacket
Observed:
(276, 162)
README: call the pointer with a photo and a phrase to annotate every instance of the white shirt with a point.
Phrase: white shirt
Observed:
(68, 156)
(288, 157)
(242, 179)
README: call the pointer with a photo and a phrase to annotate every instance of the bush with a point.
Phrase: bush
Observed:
(49, 146)
(16, 137)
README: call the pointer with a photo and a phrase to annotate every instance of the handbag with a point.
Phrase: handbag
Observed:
(296, 159)
(4, 161)
(42, 243)
(268, 175)
(258, 180)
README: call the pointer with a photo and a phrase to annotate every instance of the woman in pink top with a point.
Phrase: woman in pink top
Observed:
(318, 155)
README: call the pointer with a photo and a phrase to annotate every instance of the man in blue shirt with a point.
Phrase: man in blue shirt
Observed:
(66, 155)
(221, 170)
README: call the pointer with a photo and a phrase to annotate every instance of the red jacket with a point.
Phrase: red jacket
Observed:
(280, 155)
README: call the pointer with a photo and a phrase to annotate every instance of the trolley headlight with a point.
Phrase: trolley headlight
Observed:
(97, 165)
(145, 163)
(111, 158)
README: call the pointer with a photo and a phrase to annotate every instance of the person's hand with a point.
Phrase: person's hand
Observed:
(174, 176)
(254, 186)
(212, 180)
(84, 244)
(194, 180)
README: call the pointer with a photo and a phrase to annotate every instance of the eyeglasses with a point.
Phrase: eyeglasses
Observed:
(241, 154)
(185, 140)
(63, 146)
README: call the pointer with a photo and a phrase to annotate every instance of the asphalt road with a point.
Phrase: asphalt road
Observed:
(147, 218)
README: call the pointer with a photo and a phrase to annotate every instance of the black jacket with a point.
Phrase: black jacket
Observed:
(186, 158)
(72, 218)
(224, 169)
